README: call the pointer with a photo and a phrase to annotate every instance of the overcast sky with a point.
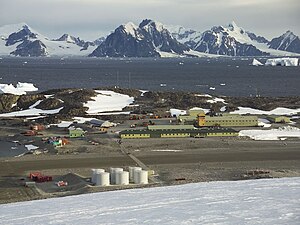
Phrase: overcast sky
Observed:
(91, 19)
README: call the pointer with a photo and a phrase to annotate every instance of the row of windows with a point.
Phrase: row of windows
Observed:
(134, 135)
(176, 134)
(180, 134)
(221, 133)
(231, 121)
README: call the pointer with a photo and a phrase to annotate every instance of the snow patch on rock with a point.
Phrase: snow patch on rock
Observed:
(108, 101)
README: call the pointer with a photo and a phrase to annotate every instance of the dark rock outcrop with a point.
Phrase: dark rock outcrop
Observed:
(7, 101)
(24, 101)
(30, 48)
(20, 36)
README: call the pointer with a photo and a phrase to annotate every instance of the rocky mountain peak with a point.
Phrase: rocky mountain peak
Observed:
(233, 26)
(289, 34)
(22, 34)
(146, 40)
(67, 38)
(149, 25)
(286, 42)
(130, 28)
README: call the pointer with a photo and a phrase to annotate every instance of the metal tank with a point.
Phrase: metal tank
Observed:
(94, 172)
(113, 172)
(102, 179)
(122, 178)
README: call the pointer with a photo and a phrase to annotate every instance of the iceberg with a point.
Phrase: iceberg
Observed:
(282, 62)
(255, 62)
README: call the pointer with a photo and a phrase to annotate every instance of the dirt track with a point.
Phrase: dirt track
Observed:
(11, 168)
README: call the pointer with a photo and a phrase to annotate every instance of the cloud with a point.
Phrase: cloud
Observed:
(91, 18)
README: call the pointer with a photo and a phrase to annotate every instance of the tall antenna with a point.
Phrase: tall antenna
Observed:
(118, 78)
(129, 80)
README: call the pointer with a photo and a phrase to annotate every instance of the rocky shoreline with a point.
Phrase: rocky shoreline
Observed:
(72, 101)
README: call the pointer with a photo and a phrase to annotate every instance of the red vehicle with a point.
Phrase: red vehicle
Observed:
(38, 177)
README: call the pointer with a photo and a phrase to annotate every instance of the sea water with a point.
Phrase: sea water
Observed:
(217, 76)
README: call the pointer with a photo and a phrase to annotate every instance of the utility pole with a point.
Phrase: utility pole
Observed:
(129, 80)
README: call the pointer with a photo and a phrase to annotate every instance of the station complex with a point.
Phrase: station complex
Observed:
(195, 124)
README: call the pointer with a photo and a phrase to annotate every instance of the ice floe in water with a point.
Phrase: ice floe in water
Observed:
(282, 62)
(255, 62)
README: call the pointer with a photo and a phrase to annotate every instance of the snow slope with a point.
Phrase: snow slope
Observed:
(270, 201)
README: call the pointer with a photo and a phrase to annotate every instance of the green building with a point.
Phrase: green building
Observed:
(76, 132)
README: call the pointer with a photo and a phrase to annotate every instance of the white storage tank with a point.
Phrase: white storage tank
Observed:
(131, 173)
(94, 172)
(122, 178)
(141, 177)
(113, 172)
(102, 179)
(135, 174)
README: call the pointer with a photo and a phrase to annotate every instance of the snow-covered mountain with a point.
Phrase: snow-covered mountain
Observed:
(149, 39)
(99, 40)
(286, 42)
(185, 36)
(231, 41)
(22, 40)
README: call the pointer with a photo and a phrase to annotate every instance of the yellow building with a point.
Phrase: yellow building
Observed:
(191, 117)
(179, 133)
(279, 119)
(227, 121)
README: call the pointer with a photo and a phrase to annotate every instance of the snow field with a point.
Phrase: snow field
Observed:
(108, 101)
(19, 89)
(273, 134)
(277, 111)
(31, 112)
(267, 201)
